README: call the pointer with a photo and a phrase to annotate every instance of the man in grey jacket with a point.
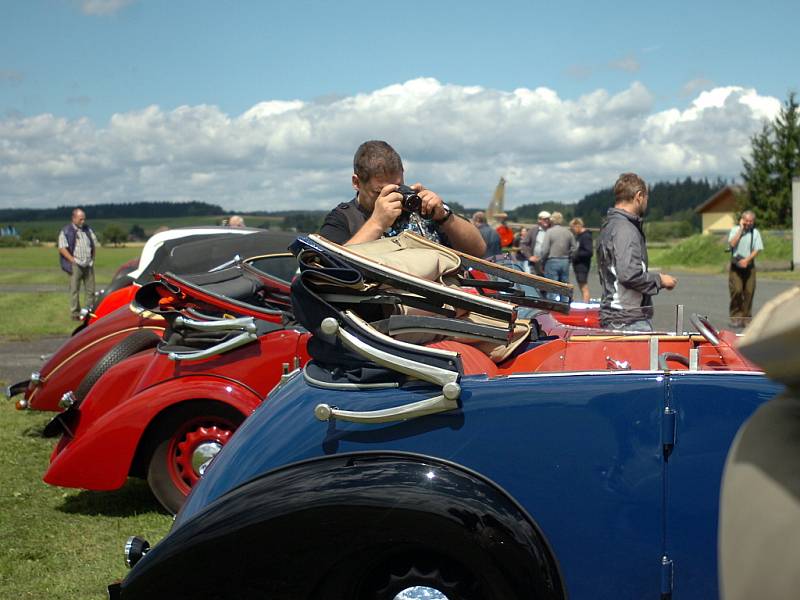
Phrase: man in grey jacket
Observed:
(559, 245)
(628, 287)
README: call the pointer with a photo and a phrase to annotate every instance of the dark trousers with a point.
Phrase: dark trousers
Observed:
(742, 287)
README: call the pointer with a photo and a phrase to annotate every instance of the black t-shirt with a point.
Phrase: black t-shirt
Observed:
(344, 221)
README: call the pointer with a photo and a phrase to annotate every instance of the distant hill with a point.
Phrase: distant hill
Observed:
(161, 210)
(670, 201)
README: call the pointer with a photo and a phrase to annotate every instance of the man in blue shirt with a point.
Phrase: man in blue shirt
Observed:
(745, 243)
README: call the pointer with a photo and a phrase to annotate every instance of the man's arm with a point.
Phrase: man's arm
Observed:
(62, 247)
(758, 246)
(65, 253)
(545, 252)
(463, 236)
(630, 264)
(735, 235)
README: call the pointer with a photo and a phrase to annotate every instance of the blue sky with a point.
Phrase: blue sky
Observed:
(68, 66)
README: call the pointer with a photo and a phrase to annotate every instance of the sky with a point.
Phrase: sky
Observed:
(260, 105)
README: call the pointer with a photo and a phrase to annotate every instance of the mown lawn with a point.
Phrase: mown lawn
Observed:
(61, 543)
(57, 543)
(27, 314)
(708, 254)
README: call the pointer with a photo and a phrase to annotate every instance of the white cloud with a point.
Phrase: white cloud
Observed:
(103, 7)
(457, 140)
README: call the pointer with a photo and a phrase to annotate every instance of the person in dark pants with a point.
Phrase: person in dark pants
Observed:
(377, 209)
(582, 257)
(745, 243)
(77, 245)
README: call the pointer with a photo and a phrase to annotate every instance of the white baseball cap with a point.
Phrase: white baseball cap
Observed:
(544, 214)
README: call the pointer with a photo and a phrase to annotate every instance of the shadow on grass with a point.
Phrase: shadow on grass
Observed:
(134, 498)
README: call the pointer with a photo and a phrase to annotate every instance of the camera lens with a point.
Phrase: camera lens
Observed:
(411, 201)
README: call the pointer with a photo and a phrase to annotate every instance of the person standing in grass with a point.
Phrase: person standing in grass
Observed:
(77, 245)
(744, 243)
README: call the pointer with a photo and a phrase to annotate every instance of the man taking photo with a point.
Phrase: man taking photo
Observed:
(378, 209)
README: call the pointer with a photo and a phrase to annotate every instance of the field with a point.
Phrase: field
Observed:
(58, 543)
(35, 298)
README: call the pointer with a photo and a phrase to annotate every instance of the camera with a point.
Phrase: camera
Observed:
(412, 203)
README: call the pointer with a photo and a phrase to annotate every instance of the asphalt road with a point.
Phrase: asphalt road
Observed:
(704, 294)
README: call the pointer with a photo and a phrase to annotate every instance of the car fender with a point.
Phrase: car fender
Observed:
(66, 368)
(105, 442)
(286, 532)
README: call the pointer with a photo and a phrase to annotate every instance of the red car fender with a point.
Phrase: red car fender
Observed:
(100, 455)
(67, 367)
(114, 300)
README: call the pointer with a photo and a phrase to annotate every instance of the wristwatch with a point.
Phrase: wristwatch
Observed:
(448, 212)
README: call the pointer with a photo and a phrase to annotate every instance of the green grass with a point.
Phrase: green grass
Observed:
(31, 314)
(707, 253)
(61, 544)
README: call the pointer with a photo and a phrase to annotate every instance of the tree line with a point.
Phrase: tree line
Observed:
(115, 211)
(774, 161)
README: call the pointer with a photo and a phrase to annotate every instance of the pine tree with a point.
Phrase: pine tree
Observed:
(787, 158)
(775, 159)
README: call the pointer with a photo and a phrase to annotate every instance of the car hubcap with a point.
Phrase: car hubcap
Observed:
(193, 448)
(203, 454)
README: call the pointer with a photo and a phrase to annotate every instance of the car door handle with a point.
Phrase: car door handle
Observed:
(447, 400)
(245, 323)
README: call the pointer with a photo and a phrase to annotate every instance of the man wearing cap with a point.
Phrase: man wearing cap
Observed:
(531, 245)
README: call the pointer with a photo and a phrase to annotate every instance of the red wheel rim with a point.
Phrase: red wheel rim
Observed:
(182, 446)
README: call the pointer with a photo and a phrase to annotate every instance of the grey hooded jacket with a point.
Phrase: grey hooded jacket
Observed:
(628, 288)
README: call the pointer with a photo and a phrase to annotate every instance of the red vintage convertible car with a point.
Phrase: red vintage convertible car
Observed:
(92, 350)
(163, 414)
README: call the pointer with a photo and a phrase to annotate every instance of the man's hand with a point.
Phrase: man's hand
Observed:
(742, 263)
(533, 259)
(668, 281)
(432, 205)
(388, 206)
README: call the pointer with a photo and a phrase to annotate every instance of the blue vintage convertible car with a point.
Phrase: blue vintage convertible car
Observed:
(438, 439)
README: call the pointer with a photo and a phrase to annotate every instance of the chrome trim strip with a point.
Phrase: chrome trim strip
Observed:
(620, 373)
(244, 323)
(240, 340)
(437, 404)
(653, 346)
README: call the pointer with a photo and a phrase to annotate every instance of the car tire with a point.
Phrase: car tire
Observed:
(139, 340)
(192, 432)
